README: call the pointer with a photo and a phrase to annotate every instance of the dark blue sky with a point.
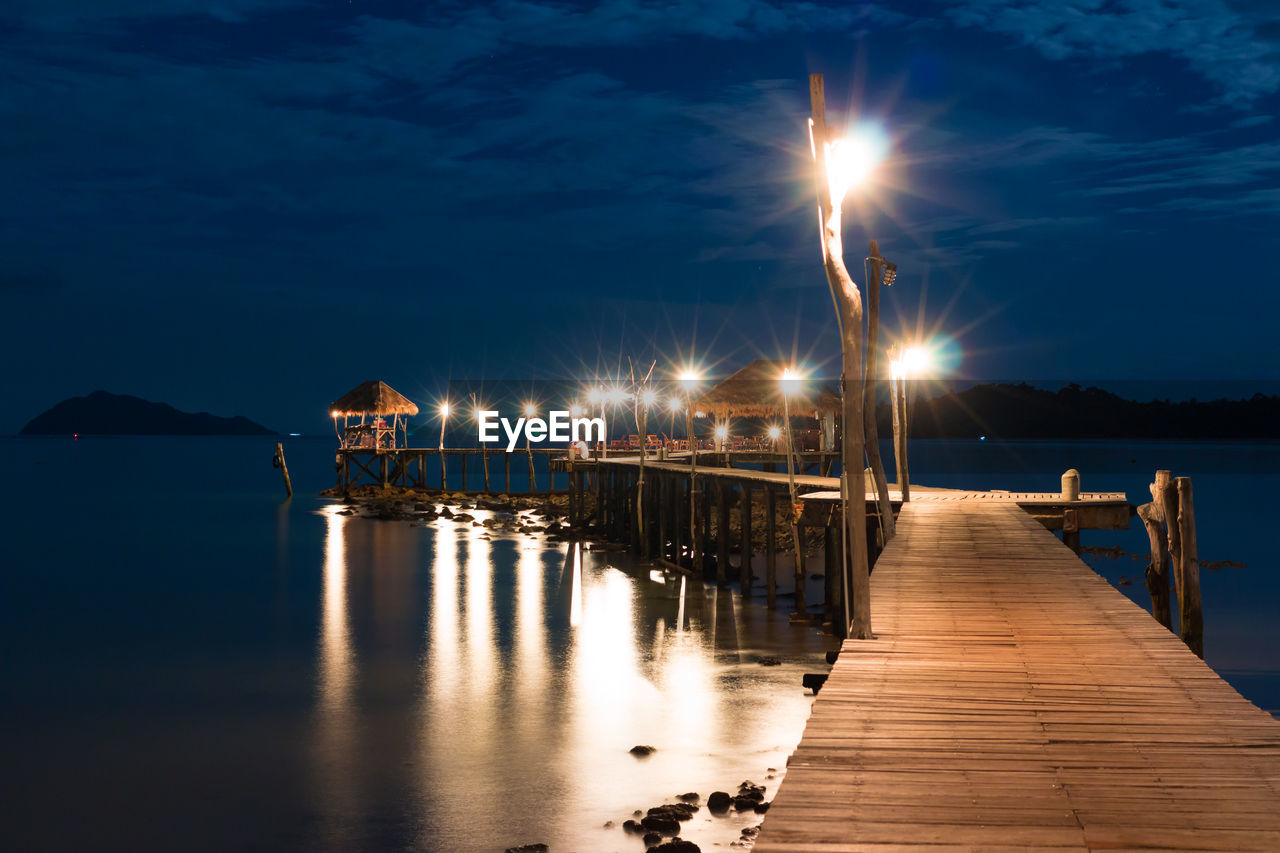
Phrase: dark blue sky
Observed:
(249, 206)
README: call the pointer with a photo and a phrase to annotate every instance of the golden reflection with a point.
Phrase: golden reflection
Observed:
(336, 721)
(530, 629)
(575, 595)
(479, 639)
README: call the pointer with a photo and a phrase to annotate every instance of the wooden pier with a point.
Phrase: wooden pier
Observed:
(430, 468)
(726, 495)
(1012, 700)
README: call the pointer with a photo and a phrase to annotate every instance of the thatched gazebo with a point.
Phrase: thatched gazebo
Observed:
(377, 400)
(755, 391)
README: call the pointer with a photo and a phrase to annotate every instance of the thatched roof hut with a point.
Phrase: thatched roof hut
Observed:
(755, 391)
(374, 397)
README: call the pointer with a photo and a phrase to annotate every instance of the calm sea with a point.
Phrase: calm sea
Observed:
(190, 662)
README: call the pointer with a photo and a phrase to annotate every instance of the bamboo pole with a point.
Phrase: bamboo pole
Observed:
(872, 429)
(856, 577)
(1190, 617)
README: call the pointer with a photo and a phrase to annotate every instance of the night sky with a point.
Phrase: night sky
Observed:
(250, 206)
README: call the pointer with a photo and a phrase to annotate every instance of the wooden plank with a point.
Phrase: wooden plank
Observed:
(1014, 699)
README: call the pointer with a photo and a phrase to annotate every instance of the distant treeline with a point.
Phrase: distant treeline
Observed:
(1023, 411)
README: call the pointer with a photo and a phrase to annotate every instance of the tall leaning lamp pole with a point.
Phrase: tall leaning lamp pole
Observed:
(689, 380)
(839, 163)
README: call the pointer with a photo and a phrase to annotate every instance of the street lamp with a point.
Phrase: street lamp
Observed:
(476, 409)
(530, 410)
(905, 362)
(444, 418)
(840, 165)
(790, 382)
(689, 379)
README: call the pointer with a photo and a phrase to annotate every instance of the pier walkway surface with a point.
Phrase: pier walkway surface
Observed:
(1013, 699)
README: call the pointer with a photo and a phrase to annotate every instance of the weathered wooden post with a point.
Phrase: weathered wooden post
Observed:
(1071, 516)
(856, 577)
(278, 462)
(876, 266)
(1157, 574)
(1190, 617)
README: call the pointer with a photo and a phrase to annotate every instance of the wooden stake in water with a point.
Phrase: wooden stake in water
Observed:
(279, 462)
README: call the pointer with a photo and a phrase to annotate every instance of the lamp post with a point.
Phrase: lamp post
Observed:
(595, 397)
(689, 381)
(790, 382)
(530, 410)
(876, 269)
(840, 164)
(476, 408)
(913, 362)
(444, 418)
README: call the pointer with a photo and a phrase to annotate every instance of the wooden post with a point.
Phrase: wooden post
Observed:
(1157, 573)
(1190, 617)
(279, 462)
(1071, 530)
(849, 303)
(870, 427)
(770, 547)
(722, 532)
(506, 464)
(1166, 494)
(744, 511)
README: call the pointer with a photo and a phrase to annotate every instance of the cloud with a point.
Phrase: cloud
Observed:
(1222, 43)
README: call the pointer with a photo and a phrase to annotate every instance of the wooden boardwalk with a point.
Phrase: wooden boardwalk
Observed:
(1014, 700)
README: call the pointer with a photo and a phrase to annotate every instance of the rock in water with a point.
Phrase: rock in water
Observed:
(690, 797)
(719, 802)
(529, 848)
(678, 845)
(642, 751)
(651, 839)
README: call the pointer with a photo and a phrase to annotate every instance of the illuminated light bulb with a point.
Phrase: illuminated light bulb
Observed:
(790, 381)
(444, 410)
(593, 396)
(850, 160)
(722, 431)
(648, 397)
(530, 410)
(576, 411)
(774, 432)
(915, 360)
(674, 404)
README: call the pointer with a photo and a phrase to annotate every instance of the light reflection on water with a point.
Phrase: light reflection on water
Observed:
(541, 665)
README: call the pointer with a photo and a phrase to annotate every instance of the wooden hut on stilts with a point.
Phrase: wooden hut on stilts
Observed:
(373, 437)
